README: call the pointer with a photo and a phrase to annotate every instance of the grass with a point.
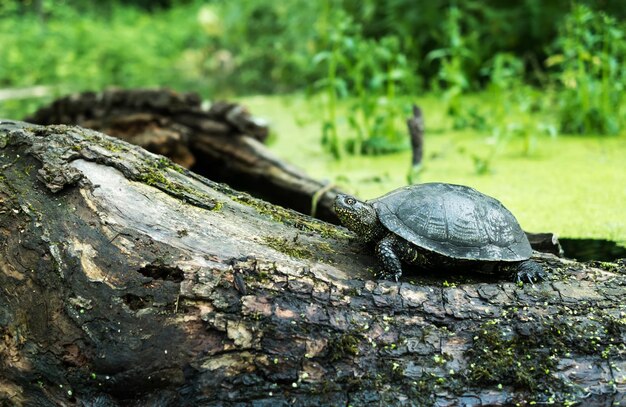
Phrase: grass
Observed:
(573, 186)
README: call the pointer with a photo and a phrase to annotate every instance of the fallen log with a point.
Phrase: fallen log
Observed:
(223, 142)
(128, 280)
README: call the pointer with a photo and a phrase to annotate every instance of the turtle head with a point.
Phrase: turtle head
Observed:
(358, 216)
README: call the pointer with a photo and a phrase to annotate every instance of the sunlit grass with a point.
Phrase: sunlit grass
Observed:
(573, 186)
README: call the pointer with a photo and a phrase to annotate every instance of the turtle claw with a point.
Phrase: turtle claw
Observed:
(523, 277)
(384, 275)
(530, 271)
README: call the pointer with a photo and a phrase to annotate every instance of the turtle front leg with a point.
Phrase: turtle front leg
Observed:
(386, 250)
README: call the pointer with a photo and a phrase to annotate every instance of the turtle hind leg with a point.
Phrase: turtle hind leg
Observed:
(528, 271)
(386, 253)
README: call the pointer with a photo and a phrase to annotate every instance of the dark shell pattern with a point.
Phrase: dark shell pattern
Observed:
(455, 221)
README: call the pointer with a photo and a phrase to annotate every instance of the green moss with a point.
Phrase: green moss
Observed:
(608, 266)
(499, 356)
(153, 174)
(259, 205)
(112, 147)
(262, 276)
(344, 345)
(494, 359)
(102, 141)
(153, 177)
(28, 169)
(282, 215)
(290, 248)
(422, 391)
(326, 247)
(164, 162)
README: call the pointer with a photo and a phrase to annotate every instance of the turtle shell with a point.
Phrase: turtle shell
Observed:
(455, 221)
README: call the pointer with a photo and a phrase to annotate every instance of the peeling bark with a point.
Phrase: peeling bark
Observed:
(128, 280)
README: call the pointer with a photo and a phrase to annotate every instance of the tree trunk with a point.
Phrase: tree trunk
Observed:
(128, 280)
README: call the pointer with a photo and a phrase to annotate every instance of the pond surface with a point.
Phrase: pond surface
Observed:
(592, 249)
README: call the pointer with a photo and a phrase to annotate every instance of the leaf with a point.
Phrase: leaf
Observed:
(553, 60)
(437, 54)
(397, 74)
(341, 87)
(320, 56)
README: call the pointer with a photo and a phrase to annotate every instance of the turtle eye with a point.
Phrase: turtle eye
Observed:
(350, 201)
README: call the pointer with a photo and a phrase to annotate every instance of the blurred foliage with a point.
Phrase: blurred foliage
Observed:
(588, 61)
(368, 72)
(372, 53)
(82, 49)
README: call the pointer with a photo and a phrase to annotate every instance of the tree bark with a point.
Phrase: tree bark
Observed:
(128, 280)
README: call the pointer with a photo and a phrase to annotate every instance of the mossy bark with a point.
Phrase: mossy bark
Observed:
(127, 280)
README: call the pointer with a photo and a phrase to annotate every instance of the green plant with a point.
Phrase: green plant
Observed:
(381, 72)
(515, 114)
(269, 45)
(334, 42)
(454, 59)
(587, 61)
(371, 74)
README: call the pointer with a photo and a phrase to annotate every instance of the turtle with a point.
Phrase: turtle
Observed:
(440, 226)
